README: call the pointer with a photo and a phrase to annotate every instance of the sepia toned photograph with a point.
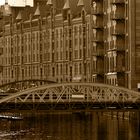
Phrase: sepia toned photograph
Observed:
(69, 69)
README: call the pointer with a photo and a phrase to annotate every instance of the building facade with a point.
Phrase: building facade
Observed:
(117, 21)
(47, 47)
(73, 41)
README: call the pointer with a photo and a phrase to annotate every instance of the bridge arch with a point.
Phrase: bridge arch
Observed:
(89, 95)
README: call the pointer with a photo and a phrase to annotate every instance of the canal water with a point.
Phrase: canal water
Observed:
(96, 125)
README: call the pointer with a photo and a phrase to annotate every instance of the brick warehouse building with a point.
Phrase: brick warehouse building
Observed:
(73, 40)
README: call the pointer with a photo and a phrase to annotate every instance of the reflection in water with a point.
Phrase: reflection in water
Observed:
(74, 126)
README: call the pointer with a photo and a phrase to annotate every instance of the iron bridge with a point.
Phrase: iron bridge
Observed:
(71, 96)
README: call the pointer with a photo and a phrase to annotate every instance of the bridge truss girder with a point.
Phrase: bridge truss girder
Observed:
(72, 96)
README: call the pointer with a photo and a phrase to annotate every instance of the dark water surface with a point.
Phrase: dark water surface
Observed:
(95, 125)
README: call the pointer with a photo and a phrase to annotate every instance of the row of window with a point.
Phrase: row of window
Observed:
(26, 48)
(36, 56)
(37, 72)
(37, 35)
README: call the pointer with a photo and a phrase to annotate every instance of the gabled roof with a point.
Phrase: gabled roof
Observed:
(43, 8)
(75, 10)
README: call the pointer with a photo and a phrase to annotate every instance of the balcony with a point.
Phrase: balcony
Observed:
(97, 25)
(98, 38)
(118, 1)
(95, 0)
(117, 16)
(118, 32)
(99, 52)
(120, 63)
(99, 71)
(119, 47)
(97, 11)
(119, 69)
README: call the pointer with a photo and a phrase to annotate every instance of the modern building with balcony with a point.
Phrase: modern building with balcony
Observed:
(73, 41)
(118, 21)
